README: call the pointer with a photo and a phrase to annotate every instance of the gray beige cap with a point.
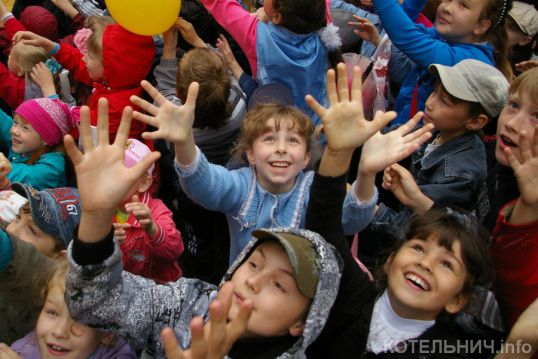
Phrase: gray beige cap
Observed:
(474, 81)
(303, 258)
(526, 17)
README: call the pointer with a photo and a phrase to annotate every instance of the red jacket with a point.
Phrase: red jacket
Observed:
(127, 60)
(155, 258)
(11, 87)
(515, 255)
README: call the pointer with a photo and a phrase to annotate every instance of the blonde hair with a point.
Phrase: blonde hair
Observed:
(95, 41)
(27, 56)
(255, 125)
(526, 82)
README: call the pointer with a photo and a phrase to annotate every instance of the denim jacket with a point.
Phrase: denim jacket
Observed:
(451, 174)
(248, 206)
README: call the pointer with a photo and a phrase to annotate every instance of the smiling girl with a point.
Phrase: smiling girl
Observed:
(463, 29)
(34, 137)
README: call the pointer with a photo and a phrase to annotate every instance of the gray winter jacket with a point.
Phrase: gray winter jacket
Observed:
(136, 308)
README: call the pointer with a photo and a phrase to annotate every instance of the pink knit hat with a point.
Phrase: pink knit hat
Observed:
(51, 118)
(134, 152)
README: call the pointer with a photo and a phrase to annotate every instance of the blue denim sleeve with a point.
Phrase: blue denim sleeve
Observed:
(248, 85)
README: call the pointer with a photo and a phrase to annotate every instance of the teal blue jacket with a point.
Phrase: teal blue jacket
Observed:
(47, 172)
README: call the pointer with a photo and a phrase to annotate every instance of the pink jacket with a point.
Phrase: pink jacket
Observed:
(155, 258)
(515, 251)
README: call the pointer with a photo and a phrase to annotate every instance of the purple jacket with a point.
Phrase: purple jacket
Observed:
(27, 348)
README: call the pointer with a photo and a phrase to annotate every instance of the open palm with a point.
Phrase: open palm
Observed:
(382, 150)
(344, 124)
(173, 123)
(526, 171)
(102, 177)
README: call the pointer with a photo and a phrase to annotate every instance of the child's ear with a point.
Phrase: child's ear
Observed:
(307, 158)
(481, 27)
(250, 156)
(145, 184)
(387, 264)
(297, 328)
(477, 123)
(277, 18)
(457, 303)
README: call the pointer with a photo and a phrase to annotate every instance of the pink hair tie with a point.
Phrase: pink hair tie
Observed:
(81, 40)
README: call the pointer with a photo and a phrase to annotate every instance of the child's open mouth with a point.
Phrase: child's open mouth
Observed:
(507, 142)
(57, 350)
(279, 164)
(417, 282)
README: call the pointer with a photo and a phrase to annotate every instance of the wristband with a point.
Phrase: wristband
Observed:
(55, 50)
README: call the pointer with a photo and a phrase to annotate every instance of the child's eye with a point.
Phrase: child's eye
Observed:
(279, 286)
(52, 312)
(32, 230)
(418, 248)
(447, 265)
(252, 265)
(294, 140)
(268, 139)
(513, 105)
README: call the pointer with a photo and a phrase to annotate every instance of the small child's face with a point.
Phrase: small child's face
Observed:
(23, 228)
(24, 139)
(459, 20)
(515, 35)
(94, 66)
(424, 278)
(58, 335)
(519, 114)
(447, 116)
(266, 279)
(278, 156)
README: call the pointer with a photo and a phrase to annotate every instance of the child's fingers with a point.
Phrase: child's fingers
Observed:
(356, 86)
(102, 122)
(145, 105)
(153, 92)
(85, 130)
(512, 160)
(199, 346)
(125, 125)
(343, 89)
(192, 94)
(171, 347)
(525, 146)
(217, 332)
(142, 167)
(147, 119)
(381, 119)
(72, 150)
(332, 95)
(315, 106)
(239, 324)
(225, 296)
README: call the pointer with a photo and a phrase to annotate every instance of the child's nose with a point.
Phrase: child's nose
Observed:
(281, 146)
(254, 283)
(63, 328)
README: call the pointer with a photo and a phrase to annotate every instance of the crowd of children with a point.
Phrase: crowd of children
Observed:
(233, 239)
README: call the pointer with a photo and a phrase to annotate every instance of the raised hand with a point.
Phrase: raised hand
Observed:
(365, 30)
(42, 76)
(119, 232)
(170, 42)
(214, 339)
(5, 168)
(382, 150)
(526, 169)
(188, 33)
(102, 177)
(142, 214)
(226, 52)
(402, 184)
(29, 38)
(7, 353)
(173, 123)
(343, 122)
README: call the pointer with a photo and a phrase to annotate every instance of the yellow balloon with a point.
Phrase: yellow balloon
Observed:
(144, 17)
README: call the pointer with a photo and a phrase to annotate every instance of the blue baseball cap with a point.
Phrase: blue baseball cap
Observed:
(55, 211)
